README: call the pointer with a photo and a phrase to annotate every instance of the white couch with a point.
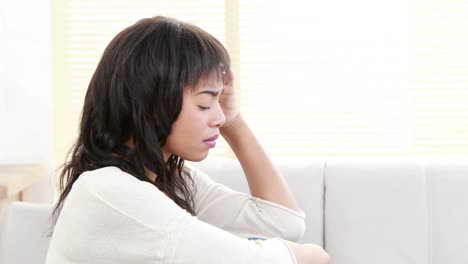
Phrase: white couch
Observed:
(363, 211)
(24, 233)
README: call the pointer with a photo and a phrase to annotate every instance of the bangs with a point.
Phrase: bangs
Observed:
(204, 57)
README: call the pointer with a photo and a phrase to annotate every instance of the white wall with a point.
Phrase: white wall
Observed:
(26, 87)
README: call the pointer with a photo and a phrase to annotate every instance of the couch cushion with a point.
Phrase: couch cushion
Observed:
(376, 212)
(448, 199)
(24, 233)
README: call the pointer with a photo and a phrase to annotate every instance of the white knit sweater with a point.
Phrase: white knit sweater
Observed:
(110, 216)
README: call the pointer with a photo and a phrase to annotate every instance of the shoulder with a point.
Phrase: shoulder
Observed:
(113, 182)
(105, 176)
(128, 195)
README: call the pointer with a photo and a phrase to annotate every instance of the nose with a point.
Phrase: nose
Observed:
(219, 118)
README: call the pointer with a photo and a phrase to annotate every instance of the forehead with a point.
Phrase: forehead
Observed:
(212, 82)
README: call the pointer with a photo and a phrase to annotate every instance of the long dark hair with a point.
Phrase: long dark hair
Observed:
(136, 93)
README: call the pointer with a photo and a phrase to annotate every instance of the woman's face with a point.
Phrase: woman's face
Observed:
(197, 126)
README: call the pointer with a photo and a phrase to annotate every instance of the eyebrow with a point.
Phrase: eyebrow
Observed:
(209, 92)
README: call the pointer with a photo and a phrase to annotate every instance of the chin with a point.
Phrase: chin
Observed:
(195, 157)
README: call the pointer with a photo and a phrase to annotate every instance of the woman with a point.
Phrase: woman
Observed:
(161, 94)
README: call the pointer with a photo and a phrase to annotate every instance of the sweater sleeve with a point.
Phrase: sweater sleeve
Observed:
(194, 241)
(241, 214)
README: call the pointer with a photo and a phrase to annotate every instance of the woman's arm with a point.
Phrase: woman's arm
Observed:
(264, 180)
(241, 214)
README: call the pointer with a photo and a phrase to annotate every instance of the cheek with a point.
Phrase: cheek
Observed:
(192, 118)
(189, 124)
(186, 136)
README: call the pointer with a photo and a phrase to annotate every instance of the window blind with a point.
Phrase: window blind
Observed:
(326, 78)
(439, 76)
(340, 78)
(315, 78)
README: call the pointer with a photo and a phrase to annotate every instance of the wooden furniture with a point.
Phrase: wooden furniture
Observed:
(15, 178)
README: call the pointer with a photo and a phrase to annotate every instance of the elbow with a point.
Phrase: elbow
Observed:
(297, 230)
(293, 230)
(293, 225)
(282, 222)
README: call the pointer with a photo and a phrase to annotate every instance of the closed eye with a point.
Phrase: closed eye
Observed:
(203, 107)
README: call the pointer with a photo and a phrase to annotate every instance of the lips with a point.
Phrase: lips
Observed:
(213, 138)
(211, 142)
